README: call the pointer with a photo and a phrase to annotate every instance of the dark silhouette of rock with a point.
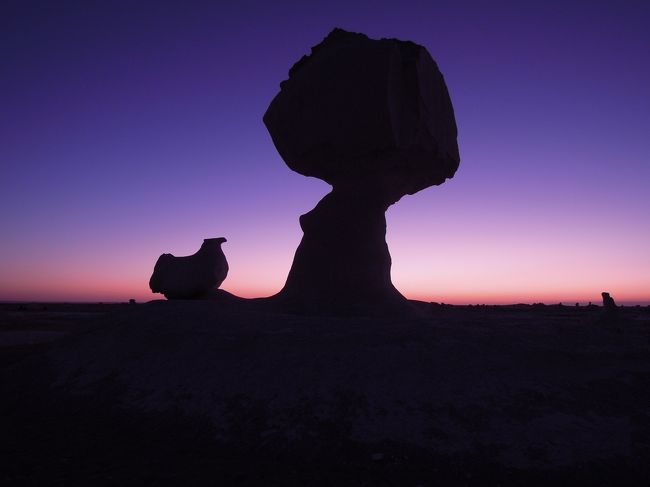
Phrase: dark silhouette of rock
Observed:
(608, 301)
(373, 118)
(192, 276)
(610, 315)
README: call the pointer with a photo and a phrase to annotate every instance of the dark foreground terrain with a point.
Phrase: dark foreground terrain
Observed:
(226, 393)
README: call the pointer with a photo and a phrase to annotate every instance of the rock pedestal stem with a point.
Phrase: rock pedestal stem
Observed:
(342, 261)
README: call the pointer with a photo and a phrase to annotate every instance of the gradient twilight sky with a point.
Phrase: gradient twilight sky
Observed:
(129, 129)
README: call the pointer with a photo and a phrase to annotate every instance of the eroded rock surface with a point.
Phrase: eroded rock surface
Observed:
(191, 276)
(373, 118)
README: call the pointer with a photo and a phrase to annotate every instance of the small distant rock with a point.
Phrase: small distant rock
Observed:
(608, 301)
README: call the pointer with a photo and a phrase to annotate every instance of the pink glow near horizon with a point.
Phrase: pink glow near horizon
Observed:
(431, 264)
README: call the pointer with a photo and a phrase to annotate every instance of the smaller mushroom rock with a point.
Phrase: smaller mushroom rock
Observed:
(191, 276)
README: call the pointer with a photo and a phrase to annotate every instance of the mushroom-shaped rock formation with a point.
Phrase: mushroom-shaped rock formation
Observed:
(192, 276)
(373, 118)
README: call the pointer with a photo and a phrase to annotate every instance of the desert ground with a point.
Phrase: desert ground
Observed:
(228, 392)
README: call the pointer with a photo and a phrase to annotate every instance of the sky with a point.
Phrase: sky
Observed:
(132, 129)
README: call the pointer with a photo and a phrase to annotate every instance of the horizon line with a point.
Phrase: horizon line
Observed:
(566, 303)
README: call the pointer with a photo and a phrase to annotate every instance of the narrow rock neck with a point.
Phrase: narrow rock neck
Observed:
(343, 256)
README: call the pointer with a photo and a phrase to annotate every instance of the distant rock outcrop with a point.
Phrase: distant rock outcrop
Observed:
(192, 276)
(373, 118)
(608, 301)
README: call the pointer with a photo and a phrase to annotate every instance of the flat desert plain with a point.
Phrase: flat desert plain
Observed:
(229, 392)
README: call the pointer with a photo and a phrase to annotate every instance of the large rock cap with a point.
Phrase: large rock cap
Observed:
(375, 112)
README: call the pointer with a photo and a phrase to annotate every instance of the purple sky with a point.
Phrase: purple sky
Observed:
(130, 129)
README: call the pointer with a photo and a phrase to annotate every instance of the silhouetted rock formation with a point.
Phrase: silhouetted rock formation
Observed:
(610, 315)
(373, 119)
(608, 301)
(192, 276)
